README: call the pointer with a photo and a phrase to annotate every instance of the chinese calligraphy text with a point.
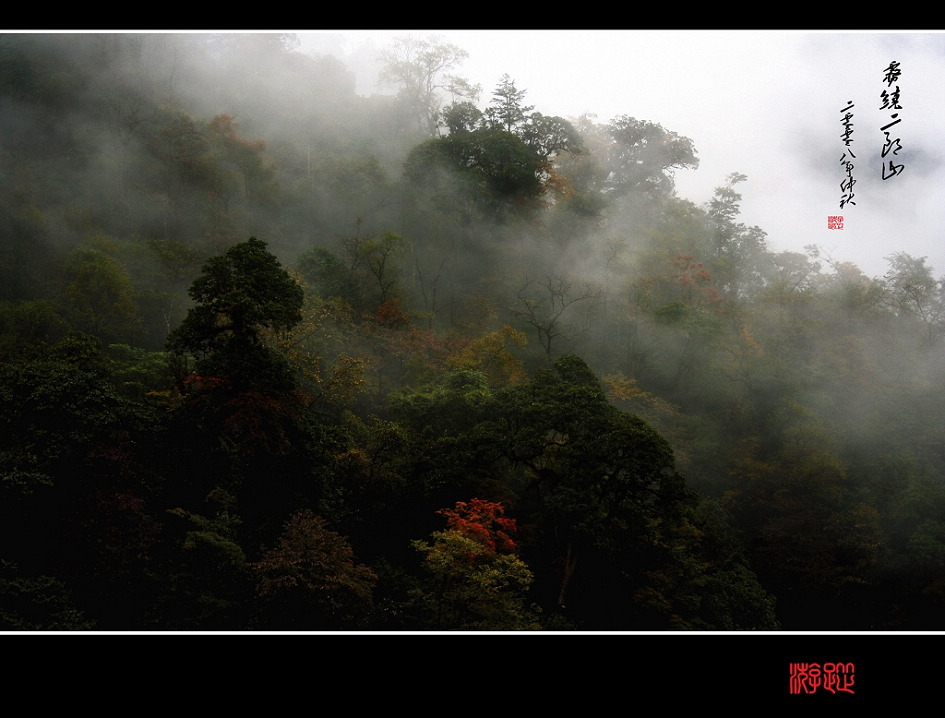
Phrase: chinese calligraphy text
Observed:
(890, 101)
(811, 677)
(847, 185)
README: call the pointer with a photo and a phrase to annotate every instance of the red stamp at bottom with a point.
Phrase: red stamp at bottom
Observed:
(811, 677)
(835, 221)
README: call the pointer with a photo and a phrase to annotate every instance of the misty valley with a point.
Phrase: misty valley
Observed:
(279, 356)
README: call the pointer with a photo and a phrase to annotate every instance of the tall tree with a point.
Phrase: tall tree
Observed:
(914, 293)
(100, 296)
(422, 70)
(506, 110)
(486, 173)
(642, 156)
(602, 491)
(544, 312)
(238, 295)
(738, 253)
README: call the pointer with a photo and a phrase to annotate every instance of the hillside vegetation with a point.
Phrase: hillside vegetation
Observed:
(278, 356)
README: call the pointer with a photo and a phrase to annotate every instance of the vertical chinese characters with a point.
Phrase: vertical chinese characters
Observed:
(890, 98)
(890, 102)
(847, 185)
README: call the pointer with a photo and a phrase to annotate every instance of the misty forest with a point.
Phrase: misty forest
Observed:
(279, 356)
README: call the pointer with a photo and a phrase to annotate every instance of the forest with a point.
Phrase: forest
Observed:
(277, 356)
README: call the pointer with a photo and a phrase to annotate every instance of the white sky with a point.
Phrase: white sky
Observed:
(766, 104)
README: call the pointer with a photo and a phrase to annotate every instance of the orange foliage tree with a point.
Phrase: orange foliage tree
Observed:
(476, 581)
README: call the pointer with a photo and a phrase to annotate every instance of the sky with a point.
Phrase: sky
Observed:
(768, 104)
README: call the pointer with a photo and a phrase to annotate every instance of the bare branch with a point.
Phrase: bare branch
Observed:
(544, 313)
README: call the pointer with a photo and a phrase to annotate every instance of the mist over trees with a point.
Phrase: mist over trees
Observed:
(278, 356)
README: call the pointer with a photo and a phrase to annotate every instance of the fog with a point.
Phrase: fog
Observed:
(763, 103)
(656, 203)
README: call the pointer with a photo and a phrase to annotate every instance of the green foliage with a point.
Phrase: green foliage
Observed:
(804, 525)
(136, 372)
(327, 275)
(55, 409)
(239, 295)
(462, 117)
(551, 136)
(494, 169)
(599, 486)
(207, 582)
(26, 327)
(913, 292)
(40, 603)
(25, 256)
(643, 156)
(76, 470)
(506, 110)
(100, 298)
(375, 266)
(451, 407)
(710, 585)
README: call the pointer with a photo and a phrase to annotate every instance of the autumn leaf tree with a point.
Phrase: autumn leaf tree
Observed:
(493, 354)
(256, 177)
(310, 580)
(476, 580)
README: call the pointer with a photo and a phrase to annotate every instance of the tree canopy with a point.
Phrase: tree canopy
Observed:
(239, 295)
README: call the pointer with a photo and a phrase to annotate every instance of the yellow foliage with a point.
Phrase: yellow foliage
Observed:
(312, 348)
(490, 354)
(618, 386)
(748, 341)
